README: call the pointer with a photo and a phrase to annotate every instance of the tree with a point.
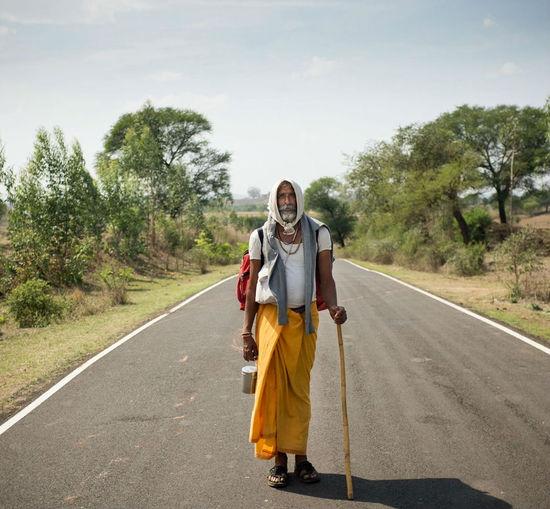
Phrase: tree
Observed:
(420, 174)
(441, 169)
(500, 136)
(56, 215)
(324, 196)
(125, 208)
(167, 150)
(254, 192)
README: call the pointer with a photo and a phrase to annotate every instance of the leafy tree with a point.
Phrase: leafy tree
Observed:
(125, 208)
(501, 135)
(56, 216)
(440, 170)
(324, 196)
(167, 149)
(410, 180)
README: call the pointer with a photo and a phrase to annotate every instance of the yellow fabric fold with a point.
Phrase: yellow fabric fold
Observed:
(282, 409)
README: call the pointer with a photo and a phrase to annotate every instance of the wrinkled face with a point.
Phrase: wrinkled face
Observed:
(286, 201)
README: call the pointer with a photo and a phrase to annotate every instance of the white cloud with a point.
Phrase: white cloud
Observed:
(509, 68)
(166, 76)
(64, 12)
(317, 67)
(488, 22)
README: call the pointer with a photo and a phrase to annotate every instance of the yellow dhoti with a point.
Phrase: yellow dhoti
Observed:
(282, 409)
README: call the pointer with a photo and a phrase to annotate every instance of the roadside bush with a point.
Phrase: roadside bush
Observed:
(116, 281)
(519, 257)
(412, 241)
(468, 260)
(358, 248)
(199, 257)
(32, 304)
(424, 255)
(478, 220)
(383, 251)
(218, 253)
(429, 258)
(373, 250)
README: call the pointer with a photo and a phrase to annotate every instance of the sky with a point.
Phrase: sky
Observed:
(292, 88)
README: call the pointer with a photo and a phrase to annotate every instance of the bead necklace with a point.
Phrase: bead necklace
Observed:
(289, 252)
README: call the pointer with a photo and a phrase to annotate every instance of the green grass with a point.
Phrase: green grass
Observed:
(484, 294)
(33, 359)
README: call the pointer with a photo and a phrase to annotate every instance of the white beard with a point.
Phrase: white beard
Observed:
(288, 216)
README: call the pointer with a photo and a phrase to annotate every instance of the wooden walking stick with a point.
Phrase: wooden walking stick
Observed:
(344, 412)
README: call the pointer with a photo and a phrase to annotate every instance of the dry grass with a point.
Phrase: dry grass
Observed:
(539, 221)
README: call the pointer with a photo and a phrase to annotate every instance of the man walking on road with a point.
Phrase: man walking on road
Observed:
(281, 295)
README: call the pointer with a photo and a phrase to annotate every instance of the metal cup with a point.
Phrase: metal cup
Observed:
(249, 374)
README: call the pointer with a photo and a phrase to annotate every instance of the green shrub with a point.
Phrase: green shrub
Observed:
(207, 251)
(519, 257)
(468, 260)
(200, 258)
(429, 258)
(358, 248)
(116, 281)
(411, 242)
(383, 251)
(32, 304)
(478, 220)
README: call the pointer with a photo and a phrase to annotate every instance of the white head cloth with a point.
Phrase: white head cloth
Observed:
(273, 208)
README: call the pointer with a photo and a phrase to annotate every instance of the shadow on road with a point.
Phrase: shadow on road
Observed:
(402, 493)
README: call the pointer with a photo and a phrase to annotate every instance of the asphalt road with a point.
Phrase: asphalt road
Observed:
(445, 411)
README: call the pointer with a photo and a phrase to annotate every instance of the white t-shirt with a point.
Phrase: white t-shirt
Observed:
(294, 264)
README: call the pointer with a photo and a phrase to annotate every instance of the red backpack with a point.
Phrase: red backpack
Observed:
(244, 276)
(244, 272)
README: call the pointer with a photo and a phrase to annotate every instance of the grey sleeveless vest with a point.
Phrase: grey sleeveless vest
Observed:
(277, 276)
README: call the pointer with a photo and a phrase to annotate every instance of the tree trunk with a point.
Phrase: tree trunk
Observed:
(501, 206)
(341, 237)
(462, 224)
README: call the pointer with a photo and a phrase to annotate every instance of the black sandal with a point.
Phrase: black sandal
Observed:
(280, 473)
(306, 472)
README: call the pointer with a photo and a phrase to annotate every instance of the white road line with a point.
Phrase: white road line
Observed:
(52, 390)
(197, 295)
(463, 310)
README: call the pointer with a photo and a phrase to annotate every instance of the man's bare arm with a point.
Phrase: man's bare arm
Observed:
(250, 349)
(328, 287)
